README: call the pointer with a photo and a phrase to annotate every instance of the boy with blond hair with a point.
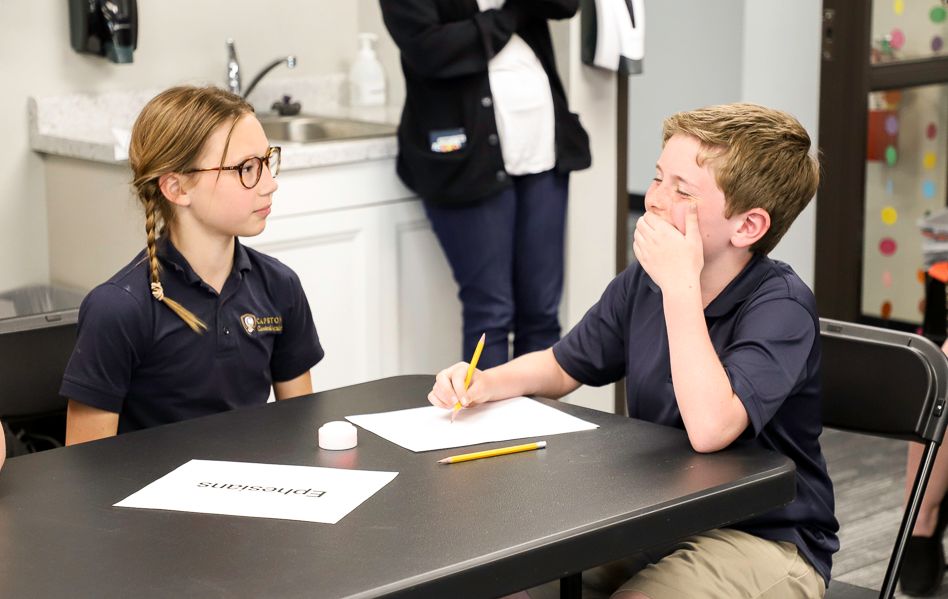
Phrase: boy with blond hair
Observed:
(713, 337)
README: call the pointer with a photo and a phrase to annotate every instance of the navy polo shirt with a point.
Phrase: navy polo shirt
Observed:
(764, 328)
(136, 357)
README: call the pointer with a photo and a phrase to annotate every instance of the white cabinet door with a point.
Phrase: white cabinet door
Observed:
(381, 291)
(421, 312)
(335, 254)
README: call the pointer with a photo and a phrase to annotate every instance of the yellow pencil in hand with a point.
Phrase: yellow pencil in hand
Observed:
(470, 372)
(466, 457)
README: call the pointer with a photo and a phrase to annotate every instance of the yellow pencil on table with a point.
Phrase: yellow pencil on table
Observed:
(470, 372)
(466, 457)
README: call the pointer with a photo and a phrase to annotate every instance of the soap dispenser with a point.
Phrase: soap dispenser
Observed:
(108, 28)
(366, 77)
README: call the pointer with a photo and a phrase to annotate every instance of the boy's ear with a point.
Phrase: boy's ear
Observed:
(754, 224)
(172, 187)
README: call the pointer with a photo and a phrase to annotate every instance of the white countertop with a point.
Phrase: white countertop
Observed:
(96, 127)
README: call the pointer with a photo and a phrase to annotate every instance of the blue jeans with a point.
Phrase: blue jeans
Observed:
(506, 254)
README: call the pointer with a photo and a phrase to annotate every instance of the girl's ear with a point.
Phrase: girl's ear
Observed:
(172, 187)
(754, 224)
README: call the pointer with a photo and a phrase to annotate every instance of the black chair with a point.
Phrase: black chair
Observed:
(889, 384)
(33, 358)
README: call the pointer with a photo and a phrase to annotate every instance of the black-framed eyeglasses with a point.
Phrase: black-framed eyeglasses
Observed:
(251, 169)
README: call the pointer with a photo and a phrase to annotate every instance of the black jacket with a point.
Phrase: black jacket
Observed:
(445, 47)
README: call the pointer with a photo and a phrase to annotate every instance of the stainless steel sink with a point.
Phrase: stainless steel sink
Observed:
(309, 128)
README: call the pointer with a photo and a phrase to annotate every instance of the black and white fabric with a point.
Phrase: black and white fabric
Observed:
(613, 34)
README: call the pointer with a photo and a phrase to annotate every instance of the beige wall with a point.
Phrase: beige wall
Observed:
(179, 41)
(763, 51)
(781, 68)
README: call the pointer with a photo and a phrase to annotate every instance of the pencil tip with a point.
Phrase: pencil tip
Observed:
(444, 461)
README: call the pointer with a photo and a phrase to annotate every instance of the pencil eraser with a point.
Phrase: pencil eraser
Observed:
(336, 435)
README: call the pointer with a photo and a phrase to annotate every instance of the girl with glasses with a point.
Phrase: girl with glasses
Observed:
(196, 323)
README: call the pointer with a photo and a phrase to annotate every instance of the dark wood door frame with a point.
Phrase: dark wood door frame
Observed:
(846, 78)
(844, 81)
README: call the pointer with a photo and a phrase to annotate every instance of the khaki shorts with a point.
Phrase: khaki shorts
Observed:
(728, 563)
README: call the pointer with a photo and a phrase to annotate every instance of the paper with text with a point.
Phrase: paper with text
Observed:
(260, 490)
(425, 429)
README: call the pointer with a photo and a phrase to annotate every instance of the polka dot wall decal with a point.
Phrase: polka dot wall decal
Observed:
(891, 155)
(887, 279)
(937, 43)
(898, 6)
(920, 275)
(931, 131)
(891, 124)
(887, 246)
(937, 14)
(886, 310)
(896, 38)
(889, 215)
(928, 161)
(928, 189)
(889, 186)
(892, 97)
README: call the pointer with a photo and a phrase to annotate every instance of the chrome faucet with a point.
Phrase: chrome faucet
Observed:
(233, 70)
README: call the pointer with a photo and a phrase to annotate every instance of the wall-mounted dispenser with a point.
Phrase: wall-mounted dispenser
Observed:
(105, 27)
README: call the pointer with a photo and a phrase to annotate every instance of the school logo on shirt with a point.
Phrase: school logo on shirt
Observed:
(261, 324)
(249, 322)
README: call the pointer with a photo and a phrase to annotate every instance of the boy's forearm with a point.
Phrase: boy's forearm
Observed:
(537, 373)
(713, 415)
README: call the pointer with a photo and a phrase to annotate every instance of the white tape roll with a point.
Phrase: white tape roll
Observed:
(336, 435)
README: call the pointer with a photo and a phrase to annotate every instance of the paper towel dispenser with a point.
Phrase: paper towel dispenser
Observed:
(105, 27)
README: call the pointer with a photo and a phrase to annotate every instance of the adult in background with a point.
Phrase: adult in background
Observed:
(487, 140)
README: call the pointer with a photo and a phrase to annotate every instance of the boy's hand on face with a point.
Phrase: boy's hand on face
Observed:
(670, 258)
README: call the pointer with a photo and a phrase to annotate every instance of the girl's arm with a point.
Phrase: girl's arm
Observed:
(301, 385)
(85, 423)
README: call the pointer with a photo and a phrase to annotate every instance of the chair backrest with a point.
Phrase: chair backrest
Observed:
(886, 383)
(32, 362)
(883, 382)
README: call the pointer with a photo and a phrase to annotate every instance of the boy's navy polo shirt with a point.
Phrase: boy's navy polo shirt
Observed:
(136, 357)
(764, 328)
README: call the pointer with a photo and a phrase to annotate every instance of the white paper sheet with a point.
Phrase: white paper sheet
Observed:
(260, 490)
(425, 429)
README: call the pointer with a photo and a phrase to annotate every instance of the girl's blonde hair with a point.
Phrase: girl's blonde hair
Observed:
(168, 137)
